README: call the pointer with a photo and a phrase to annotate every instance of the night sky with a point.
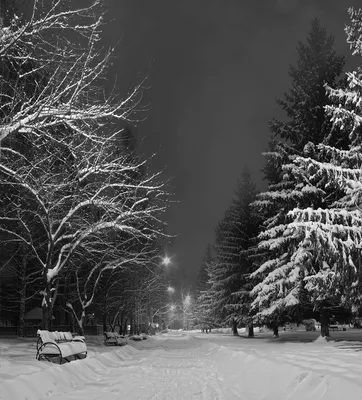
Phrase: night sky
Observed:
(215, 68)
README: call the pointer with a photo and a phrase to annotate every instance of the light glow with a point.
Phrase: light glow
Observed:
(171, 289)
(166, 261)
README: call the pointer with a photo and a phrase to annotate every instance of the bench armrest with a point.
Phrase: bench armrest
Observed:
(78, 339)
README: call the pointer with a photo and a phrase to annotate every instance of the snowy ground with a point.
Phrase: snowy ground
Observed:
(191, 365)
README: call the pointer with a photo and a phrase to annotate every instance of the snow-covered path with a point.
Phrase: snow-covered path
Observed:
(183, 366)
(160, 373)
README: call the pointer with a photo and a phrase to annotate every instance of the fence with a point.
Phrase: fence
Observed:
(30, 331)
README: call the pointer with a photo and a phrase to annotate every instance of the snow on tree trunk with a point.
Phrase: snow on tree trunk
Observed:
(80, 321)
(47, 307)
(251, 330)
(324, 322)
(81, 328)
(235, 328)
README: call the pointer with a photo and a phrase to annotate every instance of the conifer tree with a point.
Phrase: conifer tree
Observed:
(228, 273)
(306, 122)
(330, 237)
(202, 285)
(202, 280)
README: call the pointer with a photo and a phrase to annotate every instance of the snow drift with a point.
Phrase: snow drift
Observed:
(177, 366)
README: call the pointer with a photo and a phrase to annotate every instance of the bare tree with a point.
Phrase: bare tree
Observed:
(70, 194)
(77, 214)
(56, 57)
(87, 280)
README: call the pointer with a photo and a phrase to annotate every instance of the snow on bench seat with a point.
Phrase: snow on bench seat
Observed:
(60, 346)
(114, 338)
(334, 327)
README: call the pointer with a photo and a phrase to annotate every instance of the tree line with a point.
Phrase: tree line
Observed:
(293, 251)
(81, 213)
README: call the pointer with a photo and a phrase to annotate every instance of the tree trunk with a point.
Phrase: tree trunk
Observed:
(124, 328)
(324, 322)
(71, 322)
(137, 322)
(121, 322)
(131, 331)
(47, 306)
(275, 330)
(45, 323)
(235, 328)
(251, 330)
(81, 323)
(22, 297)
(81, 328)
(104, 321)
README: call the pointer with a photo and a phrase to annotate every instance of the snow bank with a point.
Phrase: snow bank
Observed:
(178, 366)
(246, 376)
(52, 378)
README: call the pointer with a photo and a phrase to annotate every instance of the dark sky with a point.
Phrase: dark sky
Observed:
(215, 68)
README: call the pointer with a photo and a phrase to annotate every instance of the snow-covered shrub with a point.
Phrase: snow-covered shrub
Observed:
(310, 324)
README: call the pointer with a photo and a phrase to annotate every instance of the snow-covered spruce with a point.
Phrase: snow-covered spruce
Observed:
(226, 300)
(320, 246)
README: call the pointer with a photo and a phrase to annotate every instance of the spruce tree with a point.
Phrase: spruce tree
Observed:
(200, 309)
(228, 294)
(306, 122)
(327, 259)
(202, 279)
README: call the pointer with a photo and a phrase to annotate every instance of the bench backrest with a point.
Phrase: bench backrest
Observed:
(111, 334)
(46, 336)
(56, 336)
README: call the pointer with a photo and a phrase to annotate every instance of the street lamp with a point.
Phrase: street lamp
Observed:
(170, 290)
(166, 261)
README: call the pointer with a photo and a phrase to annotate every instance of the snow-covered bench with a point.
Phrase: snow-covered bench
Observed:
(142, 336)
(114, 338)
(62, 346)
(334, 327)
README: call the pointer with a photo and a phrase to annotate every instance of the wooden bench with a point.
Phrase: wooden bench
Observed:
(139, 337)
(60, 346)
(334, 327)
(114, 338)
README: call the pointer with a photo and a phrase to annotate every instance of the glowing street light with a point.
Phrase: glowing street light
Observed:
(166, 261)
(170, 289)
